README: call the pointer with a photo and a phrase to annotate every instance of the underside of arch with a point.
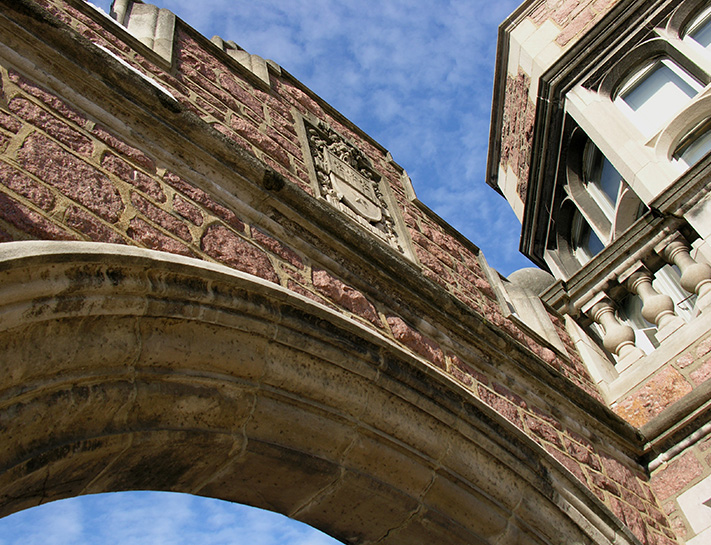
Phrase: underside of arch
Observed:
(128, 369)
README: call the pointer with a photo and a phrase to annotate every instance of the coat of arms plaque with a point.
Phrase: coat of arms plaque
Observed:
(347, 180)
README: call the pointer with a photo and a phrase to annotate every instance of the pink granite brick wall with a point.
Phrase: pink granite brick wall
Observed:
(264, 123)
(678, 475)
(127, 196)
(517, 129)
(688, 370)
(573, 17)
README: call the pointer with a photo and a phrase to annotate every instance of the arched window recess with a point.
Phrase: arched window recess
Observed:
(606, 205)
(629, 67)
(699, 32)
(573, 243)
(584, 241)
(652, 84)
(695, 145)
(690, 21)
(687, 138)
(591, 182)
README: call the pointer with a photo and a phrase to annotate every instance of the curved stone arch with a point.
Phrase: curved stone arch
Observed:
(679, 128)
(130, 369)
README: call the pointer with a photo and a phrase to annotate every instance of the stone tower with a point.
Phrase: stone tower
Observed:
(599, 141)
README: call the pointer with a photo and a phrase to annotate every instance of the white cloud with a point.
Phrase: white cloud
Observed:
(153, 518)
(416, 75)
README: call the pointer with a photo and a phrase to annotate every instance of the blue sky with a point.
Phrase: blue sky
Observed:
(417, 76)
(153, 518)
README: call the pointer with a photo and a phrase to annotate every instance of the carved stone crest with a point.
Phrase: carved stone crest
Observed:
(347, 180)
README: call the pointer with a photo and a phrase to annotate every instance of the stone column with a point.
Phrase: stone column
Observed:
(657, 308)
(618, 338)
(695, 277)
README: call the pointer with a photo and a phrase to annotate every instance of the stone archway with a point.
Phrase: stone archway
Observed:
(129, 369)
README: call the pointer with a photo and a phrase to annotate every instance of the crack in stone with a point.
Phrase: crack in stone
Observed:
(420, 498)
(237, 452)
(332, 486)
(509, 525)
(404, 523)
(320, 494)
(130, 403)
(44, 488)
(239, 449)
(107, 467)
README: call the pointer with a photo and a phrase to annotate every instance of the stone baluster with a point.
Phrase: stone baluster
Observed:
(657, 308)
(618, 338)
(695, 276)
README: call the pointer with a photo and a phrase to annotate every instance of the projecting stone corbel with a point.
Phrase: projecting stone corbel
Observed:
(151, 25)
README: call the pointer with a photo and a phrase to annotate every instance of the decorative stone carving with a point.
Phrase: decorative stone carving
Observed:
(347, 180)
(153, 26)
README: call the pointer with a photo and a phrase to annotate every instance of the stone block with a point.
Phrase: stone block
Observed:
(670, 479)
(154, 239)
(131, 153)
(345, 296)
(661, 391)
(203, 198)
(23, 185)
(49, 99)
(29, 221)
(702, 374)
(161, 217)
(229, 248)
(415, 341)
(187, 210)
(70, 137)
(270, 477)
(133, 176)
(79, 219)
(50, 163)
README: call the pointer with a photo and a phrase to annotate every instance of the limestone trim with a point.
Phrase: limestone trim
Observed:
(578, 69)
(635, 245)
(684, 15)
(242, 181)
(254, 63)
(617, 338)
(238, 386)
(521, 304)
(668, 434)
(153, 26)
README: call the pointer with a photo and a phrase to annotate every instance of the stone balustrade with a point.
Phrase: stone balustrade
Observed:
(657, 308)
(618, 338)
(695, 276)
